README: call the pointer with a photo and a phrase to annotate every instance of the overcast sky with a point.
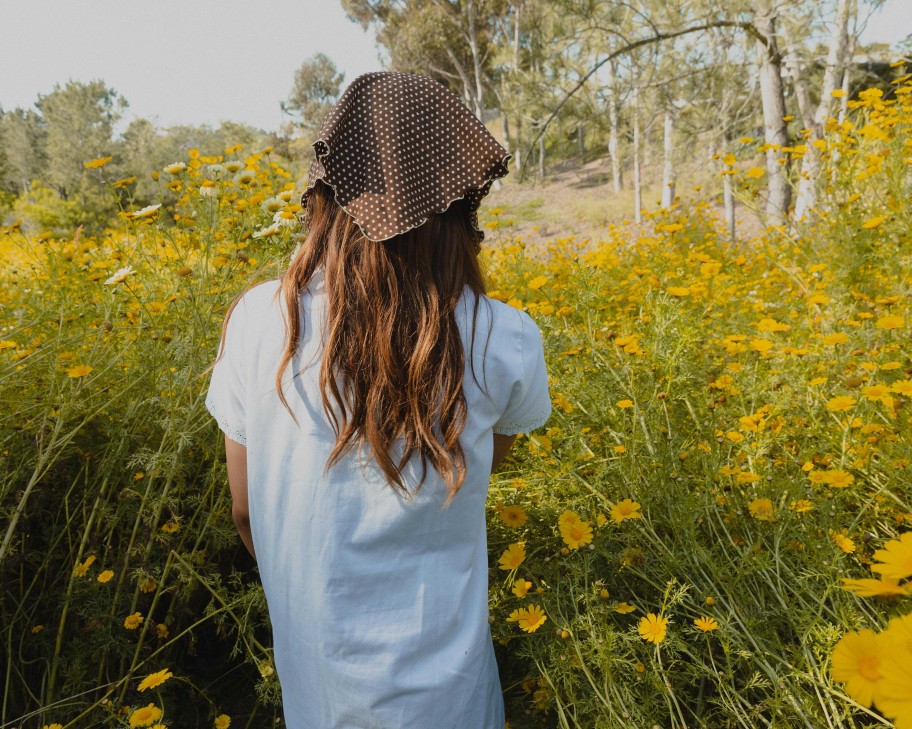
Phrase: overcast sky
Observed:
(204, 61)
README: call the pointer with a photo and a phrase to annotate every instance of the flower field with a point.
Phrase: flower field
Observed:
(713, 529)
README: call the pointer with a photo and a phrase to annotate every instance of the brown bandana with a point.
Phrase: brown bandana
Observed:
(397, 147)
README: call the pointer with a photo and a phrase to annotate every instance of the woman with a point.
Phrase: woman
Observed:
(379, 334)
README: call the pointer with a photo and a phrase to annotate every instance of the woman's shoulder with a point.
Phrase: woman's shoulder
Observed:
(503, 317)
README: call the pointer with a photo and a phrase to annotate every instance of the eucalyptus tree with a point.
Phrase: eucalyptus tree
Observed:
(453, 40)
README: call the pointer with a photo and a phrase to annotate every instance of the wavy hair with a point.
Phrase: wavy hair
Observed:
(392, 336)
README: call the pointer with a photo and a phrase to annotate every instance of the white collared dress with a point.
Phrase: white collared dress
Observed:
(378, 603)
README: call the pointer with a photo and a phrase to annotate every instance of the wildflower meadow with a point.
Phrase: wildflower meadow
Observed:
(714, 529)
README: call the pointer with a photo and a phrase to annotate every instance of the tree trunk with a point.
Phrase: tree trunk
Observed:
(773, 101)
(729, 198)
(476, 59)
(793, 64)
(541, 157)
(581, 139)
(517, 163)
(668, 173)
(613, 149)
(637, 191)
(810, 167)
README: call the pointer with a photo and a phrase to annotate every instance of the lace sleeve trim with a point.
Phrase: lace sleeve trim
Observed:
(527, 427)
(233, 431)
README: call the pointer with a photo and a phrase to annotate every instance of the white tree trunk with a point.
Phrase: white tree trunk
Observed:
(810, 167)
(668, 172)
(637, 191)
(541, 156)
(476, 58)
(773, 101)
(613, 147)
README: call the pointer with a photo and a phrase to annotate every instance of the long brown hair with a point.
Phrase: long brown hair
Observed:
(392, 333)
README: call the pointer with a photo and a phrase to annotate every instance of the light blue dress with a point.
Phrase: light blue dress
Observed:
(378, 604)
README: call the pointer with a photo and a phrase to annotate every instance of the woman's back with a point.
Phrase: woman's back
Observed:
(378, 602)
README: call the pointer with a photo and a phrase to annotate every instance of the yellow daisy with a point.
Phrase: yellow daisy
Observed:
(513, 516)
(154, 680)
(652, 628)
(895, 559)
(145, 716)
(530, 619)
(222, 721)
(576, 534)
(513, 556)
(706, 623)
(132, 622)
(856, 662)
(626, 509)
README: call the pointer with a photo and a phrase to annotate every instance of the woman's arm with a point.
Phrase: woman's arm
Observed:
(236, 459)
(502, 444)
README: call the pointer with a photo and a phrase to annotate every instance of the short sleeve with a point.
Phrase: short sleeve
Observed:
(226, 397)
(529, 406)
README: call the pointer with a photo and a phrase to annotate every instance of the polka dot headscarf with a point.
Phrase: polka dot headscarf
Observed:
(397, 147)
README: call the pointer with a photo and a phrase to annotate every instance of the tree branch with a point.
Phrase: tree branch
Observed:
(747, 27)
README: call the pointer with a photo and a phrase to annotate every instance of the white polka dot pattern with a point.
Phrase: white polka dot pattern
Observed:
(397, 147)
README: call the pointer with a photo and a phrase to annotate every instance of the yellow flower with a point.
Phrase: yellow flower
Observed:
(154, 680)
(856, 662)
(80, 569)
(161, 630)
(623, 608)
(79, 370)
(530, 619)
(96, 163)
(576, 534)
(175, 168)
(902, 387)
(652, 628)
(105, 576)
(833, 339)
(521, 587)
(890, 322)
(132, 622)
(624, 404)
(842, 541)
(895, 559)
(755, 173)
(513, 556)
(679, 291)
(761, 509)
(145, 716)
(835, 478)
(874, 222)
(706, 623)
(568, 518)
(148, 585)
(513, 516)
(875, 588)
(801, 505)
(841, 403)
(626, 509)
(537, 282)
(222, 721)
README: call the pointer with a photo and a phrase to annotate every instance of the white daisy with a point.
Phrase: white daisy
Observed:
(217, 171)
(272, 205)
(285, 218)
(120, 275)
(245, 177)
(175, 168)
(266, 232)
(146, 212)
(208, 189)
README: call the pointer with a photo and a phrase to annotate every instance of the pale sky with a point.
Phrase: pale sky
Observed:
(204, 61)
